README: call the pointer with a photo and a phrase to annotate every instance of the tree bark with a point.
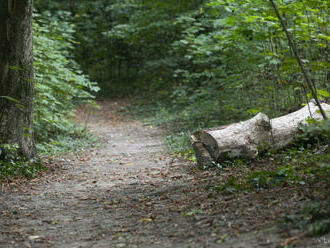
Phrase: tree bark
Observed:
(286, 127)
(16, 75)
(236, 140)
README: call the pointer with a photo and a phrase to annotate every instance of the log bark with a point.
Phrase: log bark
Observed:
(286, 127)
(236, 140)
(16, 75)
(248, 138)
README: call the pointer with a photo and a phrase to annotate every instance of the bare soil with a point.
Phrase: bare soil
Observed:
(128, 192)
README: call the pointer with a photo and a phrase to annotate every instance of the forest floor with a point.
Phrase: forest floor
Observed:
(128, 192)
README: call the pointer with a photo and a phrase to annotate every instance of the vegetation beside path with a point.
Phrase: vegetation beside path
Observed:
(301, 171)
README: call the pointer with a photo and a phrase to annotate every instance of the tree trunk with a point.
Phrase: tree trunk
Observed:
(248, 138)
(16, 75)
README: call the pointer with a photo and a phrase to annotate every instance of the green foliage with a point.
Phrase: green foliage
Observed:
(193, 212)
(313, 218)
(242, 49)
(316, 132)
(317, 218)
(264, 179)
(207, 64)
(74, 139)
(178, 142)
(301, 167)
(13, 165)
(214, 62)
(60, 82)
(224, 58)
(231, 186)
(284, 175)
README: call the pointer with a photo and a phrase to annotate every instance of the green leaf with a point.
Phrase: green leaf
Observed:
(323, 93)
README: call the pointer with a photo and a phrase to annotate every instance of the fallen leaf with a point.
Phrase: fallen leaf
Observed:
(34, 237)
(146, 220)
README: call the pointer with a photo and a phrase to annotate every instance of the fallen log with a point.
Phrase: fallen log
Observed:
(248, 138)
(286, 127)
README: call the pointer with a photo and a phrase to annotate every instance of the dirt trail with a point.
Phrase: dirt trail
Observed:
(125, 193)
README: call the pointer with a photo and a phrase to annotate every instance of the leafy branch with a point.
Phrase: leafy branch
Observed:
(293, 46)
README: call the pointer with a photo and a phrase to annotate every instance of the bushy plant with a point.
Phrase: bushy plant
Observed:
(60, 83)
(12, 165)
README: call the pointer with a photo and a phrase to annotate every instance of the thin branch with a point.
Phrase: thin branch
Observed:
(293, 47)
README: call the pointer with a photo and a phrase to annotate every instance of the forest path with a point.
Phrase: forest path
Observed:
(126, 193)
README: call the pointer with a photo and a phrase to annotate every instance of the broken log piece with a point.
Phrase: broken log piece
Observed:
(248, 138)
(286, 127)
(236, 140)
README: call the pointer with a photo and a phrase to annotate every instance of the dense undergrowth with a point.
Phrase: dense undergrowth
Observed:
(12, 165)
(60, 83)
(59, 86)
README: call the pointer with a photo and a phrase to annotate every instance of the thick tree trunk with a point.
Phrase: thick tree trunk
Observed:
(247, 139)
(16, 75)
